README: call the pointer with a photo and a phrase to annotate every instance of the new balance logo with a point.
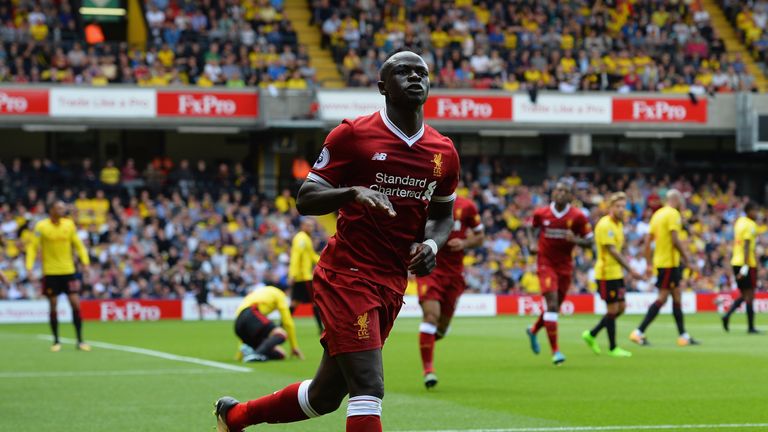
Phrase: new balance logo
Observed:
(379, 156)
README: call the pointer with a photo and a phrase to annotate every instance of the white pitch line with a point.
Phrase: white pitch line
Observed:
(66, 374)
(609, 428)
(153, 353)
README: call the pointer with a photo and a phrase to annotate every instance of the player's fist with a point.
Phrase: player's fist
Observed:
(422, 259)
(374, 200)
(570, 236)
(455, 245)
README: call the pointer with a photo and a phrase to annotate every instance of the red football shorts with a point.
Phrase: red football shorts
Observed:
(444, 288)
(551, 281)
(358, 314)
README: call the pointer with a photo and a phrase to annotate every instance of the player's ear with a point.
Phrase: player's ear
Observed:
(382, 89)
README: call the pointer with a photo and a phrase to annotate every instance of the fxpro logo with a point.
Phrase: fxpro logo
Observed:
(129, 311)
(463, 108)
(206, 105)
(659, 110)
(10, 104)
(404, 186)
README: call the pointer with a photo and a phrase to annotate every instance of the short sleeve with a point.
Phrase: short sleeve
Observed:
(582, 227)
(675, 221)
(333, 165)
(446, 188)
(472, 217)
(535, 220)
(605, 234)
(750, 232)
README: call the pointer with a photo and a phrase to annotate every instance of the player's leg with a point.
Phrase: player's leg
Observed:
(684, 338)
(749, 298)
(547, 283)
(589, 336)
(364, 374)
(275, 337)
(299, 401)
(740, 281)
(315, 308)
(53, 316)
(550, 324)
(663, 282)
(73, 295)
(617, 310)
(427, 335)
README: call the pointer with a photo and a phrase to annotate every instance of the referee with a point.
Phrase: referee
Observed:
(55, 236)
(302, 264)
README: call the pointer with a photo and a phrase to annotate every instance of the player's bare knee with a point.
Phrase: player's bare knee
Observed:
(431, 318)
(366, 383)
(326, 399)
(621, 308)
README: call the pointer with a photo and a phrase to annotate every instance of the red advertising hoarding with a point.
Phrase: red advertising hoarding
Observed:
(173, 103)
(659, 110)
(130, 310)
(24, 102)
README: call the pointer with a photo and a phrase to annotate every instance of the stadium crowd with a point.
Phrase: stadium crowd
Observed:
(643, 45)
(228, 43)
(167, 230)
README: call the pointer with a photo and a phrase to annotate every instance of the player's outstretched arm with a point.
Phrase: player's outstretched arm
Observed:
(315, 199)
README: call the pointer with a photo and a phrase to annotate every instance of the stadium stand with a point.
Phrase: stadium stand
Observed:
(568, 46)
(233, 44)
(162, 232)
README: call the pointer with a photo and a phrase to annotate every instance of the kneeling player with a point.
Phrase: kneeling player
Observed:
(609, 238)
(744, 264)
(440, 291)
(261, 337)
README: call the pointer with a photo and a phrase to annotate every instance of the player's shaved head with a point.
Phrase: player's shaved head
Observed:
(675, 198)
(386, 68)
(58, 209)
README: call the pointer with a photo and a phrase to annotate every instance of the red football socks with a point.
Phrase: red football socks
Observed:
(427, 345)
(281, 406)
(538, 324)
(550, 323)
(364, 414)
(366, 423)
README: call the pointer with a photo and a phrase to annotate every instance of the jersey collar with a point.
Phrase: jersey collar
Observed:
(557, 213)
(399, 133)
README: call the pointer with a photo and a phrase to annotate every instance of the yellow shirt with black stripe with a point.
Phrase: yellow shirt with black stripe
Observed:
(56, 241)
(663, 222)
(744, 230)
(608, 232)
(268, 299)
(303, 258)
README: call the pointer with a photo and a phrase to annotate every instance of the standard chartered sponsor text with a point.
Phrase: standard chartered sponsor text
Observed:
(414, 187)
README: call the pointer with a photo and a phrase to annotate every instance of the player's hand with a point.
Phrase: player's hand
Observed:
(743, 271)
(455, 245)
(422, 259)
(289, 282)
(374, 200)
(570, 236)
(297, 353)
(648, 272)
(636, 275)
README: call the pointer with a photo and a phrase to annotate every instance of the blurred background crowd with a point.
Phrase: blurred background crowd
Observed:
(176, 226)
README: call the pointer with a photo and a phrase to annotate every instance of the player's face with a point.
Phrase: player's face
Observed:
(58, 209)
(617, 209)
(561, 195)
(752, 214)
(407, 81)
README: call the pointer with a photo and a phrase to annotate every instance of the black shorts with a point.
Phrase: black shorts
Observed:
(301, 292)
(53, 285)
(202, 296)
(745, 283)
(669, 278)
(612, 290)
(252, 327)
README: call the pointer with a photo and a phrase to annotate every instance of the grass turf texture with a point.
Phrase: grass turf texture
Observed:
(488, 378)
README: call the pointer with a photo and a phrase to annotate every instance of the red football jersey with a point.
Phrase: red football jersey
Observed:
(371, 151)
(465, 216)
(554, 251)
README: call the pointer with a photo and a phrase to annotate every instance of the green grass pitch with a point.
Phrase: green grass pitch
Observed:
(489, 380)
